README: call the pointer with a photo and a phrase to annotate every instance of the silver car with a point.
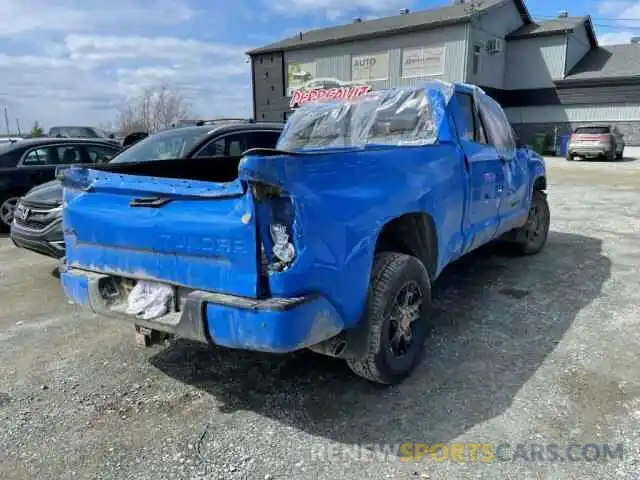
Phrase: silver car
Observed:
(596, 141)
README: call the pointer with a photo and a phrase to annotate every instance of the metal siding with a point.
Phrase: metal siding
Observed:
(495, 24)
(335, 60)
(270, 103)
(535, 62)
(572, 114)
(491, 69)
(500, 21)
(577, 46)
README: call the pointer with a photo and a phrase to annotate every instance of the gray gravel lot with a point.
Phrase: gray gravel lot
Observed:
(536, 350)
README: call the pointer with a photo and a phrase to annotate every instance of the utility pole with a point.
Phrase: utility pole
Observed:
(6, 121)
(18, 125)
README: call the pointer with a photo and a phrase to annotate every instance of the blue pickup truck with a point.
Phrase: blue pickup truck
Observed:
(331, 241)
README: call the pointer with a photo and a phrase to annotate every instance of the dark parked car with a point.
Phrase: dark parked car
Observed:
(38, 219)
(31, 162)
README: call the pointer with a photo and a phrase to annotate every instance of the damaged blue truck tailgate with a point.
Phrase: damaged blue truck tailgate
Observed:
(329, 242)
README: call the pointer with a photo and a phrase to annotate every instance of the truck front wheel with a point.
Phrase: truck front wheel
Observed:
(532, 236)
(396, 316)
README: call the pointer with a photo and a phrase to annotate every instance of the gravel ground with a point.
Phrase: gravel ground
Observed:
(535, 350)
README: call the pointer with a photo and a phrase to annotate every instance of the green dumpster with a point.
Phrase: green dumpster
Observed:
(539, 143)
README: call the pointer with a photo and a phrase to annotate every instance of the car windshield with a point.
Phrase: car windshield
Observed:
(398, 117)
(173, 143)
(592, 130)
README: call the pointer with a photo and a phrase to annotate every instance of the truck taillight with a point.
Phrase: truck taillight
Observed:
(282, 248)
(274, 215)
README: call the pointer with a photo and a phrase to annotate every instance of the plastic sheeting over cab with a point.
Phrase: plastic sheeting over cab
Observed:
(394, 117)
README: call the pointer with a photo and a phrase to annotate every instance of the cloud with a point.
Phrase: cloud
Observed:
(19, 17)
(90, 82)
(101, 48)
(622, 15)
(620, 9)
(79, 61)
(615, 38)
(335, 9)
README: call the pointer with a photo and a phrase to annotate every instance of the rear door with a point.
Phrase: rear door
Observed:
(486, 174)
(514, 163)
(236, 143)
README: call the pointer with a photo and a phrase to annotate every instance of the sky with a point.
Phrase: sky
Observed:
(77, 61)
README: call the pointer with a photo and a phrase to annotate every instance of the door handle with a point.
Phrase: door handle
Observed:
(152, 202)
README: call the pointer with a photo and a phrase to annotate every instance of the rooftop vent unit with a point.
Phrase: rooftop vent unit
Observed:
(357, 20)
(563, 14)
(404, 11)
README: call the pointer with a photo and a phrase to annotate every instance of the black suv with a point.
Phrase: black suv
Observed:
(38, 219)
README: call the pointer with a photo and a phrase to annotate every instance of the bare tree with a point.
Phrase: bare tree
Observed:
(152, 110)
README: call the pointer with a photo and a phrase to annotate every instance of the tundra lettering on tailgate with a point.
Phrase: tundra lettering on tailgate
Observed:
(217, 246)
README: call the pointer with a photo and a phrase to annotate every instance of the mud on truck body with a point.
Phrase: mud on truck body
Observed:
(331, 241)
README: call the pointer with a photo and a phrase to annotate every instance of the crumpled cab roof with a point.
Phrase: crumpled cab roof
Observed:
(394, 117)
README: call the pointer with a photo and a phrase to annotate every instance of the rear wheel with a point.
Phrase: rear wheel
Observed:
(7, 207)
(532, 236)
(396, 314)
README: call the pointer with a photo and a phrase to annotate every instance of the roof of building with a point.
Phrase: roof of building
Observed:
(610, 62)
(554, 27)
(435, 17)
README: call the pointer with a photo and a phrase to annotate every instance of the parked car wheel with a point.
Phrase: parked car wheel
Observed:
(396, 313)
(532, 236)
(7, 207)
(620, 154)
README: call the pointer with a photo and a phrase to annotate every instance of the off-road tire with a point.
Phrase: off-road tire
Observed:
(523, 244)
(391, 272)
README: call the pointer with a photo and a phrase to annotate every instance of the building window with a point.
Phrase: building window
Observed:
(266, 74)
(268, 102)
(475, 61)
(271, 58)
(273, 88)
(285, 115)
(261, 60)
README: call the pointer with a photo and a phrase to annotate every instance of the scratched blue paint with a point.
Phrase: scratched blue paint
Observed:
(273, 330)
(337, 202)
(75, 287)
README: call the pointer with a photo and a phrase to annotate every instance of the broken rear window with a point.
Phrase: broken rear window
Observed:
(398, 117)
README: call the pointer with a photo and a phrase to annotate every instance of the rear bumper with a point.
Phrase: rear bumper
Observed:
(48, 241)
(588, 151)
(269, 325)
